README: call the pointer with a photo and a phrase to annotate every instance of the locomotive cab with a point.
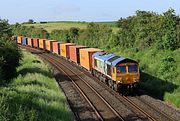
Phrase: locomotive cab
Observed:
(126, 73)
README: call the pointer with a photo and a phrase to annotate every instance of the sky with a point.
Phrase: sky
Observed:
(80, 10)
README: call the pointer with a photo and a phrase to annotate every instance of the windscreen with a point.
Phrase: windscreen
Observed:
(121, 69)
(132, 68)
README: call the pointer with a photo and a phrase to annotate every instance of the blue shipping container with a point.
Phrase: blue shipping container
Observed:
(24, 41)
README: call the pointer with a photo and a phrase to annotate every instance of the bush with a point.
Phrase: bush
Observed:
(167, 68)
(9, 59)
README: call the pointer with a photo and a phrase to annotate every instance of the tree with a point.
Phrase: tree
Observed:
(30, 21)
(9, 52)
(5, 29)
(169, 22)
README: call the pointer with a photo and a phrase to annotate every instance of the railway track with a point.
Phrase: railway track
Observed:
(145, 115)
(102, 108)
(141, 106)
(152, 110)
(110, 113)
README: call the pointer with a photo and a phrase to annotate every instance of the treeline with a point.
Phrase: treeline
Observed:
(9, 52)
(143, 30)
(147, 29)
(18, 29)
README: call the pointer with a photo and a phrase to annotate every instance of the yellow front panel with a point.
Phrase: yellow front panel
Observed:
(126, 78)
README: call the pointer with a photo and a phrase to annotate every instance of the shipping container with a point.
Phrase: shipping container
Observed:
(56, 47)
(19, 39)
(42, 43)
(35, 42)
(24, 41)
(86, 57)
(74, 53)
(49, 45)
(30, 42)
(64, 49)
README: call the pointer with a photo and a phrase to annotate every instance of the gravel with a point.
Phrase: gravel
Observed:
(163, 107)
(80, 108)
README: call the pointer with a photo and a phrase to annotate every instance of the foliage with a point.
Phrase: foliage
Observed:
(34, 95)
(9, 52)
(167, 67)
(95, 35)
(29, 31)
(9, 59)
(61, 35)
(5, 29)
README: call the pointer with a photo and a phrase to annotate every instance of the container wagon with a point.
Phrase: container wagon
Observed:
(86, 57)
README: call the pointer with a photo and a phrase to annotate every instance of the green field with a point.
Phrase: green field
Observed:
(66, 25)
(33, 95)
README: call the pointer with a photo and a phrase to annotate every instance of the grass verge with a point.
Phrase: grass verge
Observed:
(33, 95)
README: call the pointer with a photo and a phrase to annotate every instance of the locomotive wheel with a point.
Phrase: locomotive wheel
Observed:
(110, 83)
(115, 86)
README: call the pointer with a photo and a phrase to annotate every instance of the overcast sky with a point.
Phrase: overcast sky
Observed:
(80, 10)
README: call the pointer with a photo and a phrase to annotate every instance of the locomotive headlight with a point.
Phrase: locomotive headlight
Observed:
(135, 80)
(120, 81)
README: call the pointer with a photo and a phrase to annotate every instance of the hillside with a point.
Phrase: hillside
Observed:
(66, 25)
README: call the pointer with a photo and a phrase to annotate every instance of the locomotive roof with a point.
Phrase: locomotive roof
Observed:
(104, 56)
(119, 59)
(110, 58)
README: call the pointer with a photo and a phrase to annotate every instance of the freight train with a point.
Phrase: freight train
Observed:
(118, 72)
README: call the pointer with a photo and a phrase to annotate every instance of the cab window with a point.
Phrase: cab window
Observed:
(132, 68)
(121, 69)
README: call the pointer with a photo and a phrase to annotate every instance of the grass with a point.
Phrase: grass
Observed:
(66, 25)
(33, 95)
